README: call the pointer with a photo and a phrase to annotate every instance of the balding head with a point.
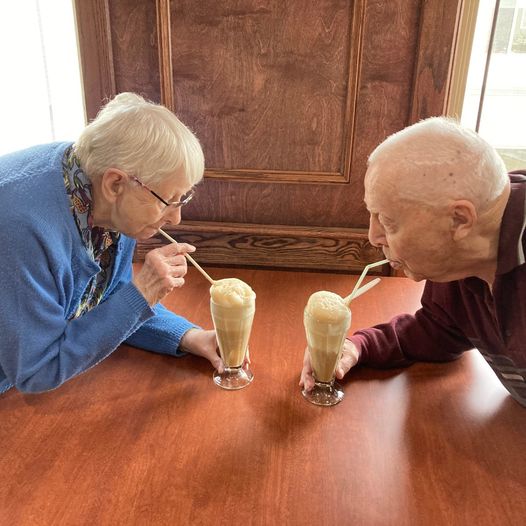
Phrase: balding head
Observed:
(436, 161)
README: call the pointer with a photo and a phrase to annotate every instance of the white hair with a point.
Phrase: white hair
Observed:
(437, 159)
(141, 138)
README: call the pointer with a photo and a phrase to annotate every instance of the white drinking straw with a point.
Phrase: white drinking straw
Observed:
(364, 272)
(189, 258)
(360, 291)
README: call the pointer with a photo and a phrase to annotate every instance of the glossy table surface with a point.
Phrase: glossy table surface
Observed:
(144, 438)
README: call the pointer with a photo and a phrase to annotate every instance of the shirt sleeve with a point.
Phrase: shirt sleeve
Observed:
(430, 335)
(39, 347)
(163, 332)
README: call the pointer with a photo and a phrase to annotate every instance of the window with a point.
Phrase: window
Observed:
(495, 95)
(40, 94)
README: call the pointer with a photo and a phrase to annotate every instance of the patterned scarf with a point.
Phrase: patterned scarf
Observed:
(100, 244)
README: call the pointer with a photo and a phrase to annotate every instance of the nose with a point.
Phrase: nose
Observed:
(376, 232)
(172, 215)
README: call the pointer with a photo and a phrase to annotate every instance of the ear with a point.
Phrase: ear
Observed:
(113, 182)
(463, 218)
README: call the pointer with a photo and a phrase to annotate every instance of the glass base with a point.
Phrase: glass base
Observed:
(233, 378)
(326, 394)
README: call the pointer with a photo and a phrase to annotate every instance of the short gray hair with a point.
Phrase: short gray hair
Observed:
(144, 139)
(437, 159)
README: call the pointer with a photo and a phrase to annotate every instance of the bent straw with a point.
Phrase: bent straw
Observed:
(189, 258)
(364, 272)
(360, 291)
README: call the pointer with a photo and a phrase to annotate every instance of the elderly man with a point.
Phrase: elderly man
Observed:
(443, 209)
(69, 218)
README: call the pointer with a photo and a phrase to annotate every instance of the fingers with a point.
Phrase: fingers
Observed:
(167, 263)
(247, 357)
(177, 261)
(306, 378)
(217, 363)
(175, 248)
(185, 247)
(176, 282)
(163, 270)
(349, 359)
(203, 343)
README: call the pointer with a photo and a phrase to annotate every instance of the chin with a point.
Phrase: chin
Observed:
(145, 234)
(415, 277)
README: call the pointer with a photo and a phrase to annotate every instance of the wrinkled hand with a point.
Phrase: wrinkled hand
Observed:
(163, 270)
(203, 343)
(350, 357)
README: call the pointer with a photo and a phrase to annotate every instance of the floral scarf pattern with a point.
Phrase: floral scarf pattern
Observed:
(100, 243)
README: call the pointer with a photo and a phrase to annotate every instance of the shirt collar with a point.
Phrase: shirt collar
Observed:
(511, 242)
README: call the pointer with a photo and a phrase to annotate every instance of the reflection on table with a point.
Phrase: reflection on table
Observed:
(149, 439)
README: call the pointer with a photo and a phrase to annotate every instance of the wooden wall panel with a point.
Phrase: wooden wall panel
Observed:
(135, 49)
(96, 53)
(288, 100)
(439, 26)
(265, 83)
(242, 245)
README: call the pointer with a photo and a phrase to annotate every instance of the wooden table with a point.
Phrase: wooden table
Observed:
(146, 439)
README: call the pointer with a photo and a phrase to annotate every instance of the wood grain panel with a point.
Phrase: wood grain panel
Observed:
(96, 54)
(164, 45)
(277, 246)
(387, 70)
(259, 98)
(288, 100)
(438, 36)
(148, 439)
(390, 36)
(135, 47)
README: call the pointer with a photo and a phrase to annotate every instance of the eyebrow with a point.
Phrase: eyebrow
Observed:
(180, 194)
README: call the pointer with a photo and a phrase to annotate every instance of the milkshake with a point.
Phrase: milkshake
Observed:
(232, 305)
(327, 320)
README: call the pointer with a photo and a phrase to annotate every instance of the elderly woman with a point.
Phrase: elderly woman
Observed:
(69, 218)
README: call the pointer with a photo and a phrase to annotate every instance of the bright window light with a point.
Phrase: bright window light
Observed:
(498, 112)
(41, 97)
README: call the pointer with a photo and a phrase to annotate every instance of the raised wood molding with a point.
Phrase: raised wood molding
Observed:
(164, 35)
(164, 43)
(276, 246)
(96, 53)
(353, 83)
(439, 25)
(272, 176)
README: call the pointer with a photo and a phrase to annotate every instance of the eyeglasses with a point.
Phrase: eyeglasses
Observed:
(186, 198)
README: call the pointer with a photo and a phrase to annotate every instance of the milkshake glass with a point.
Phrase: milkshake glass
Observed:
(232, 306)
(327, 320)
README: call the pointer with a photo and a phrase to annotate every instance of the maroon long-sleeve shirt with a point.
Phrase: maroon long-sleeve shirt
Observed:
(465, 314)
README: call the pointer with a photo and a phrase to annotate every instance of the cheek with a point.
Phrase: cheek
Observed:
(403, 246)
(146, 214)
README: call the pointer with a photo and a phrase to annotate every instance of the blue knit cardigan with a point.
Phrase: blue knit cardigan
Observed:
(44, 270)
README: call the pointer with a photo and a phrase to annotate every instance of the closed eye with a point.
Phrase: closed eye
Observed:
(388, 224)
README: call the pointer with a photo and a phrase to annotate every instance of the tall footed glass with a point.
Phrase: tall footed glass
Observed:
(232, 306)
(327, 320)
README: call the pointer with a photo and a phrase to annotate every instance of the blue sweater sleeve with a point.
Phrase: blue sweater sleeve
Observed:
(162, 333)
(39, 347)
